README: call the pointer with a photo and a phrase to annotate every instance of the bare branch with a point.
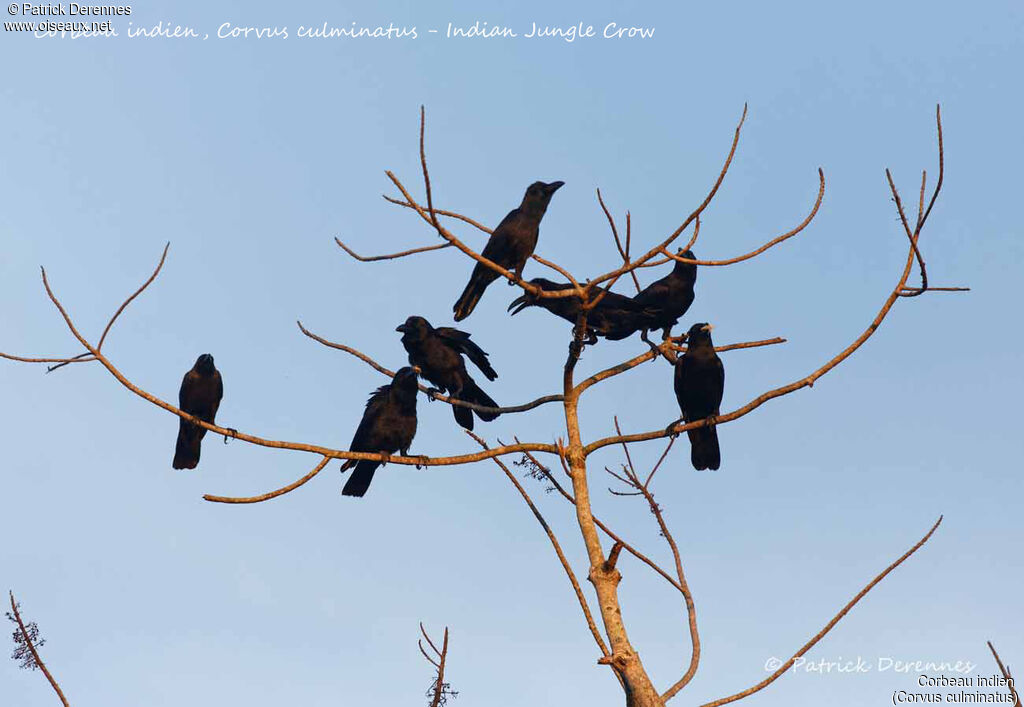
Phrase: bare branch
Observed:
(828, 627)
(1005, 670)
(624, 252)
(390, 256)
(124, 305)
(25, 359)
(85, 357)
(439, 691)
(440, 212)
(773, 242)
(650, 354)
(604, 528)
(689, 219)
(683, 586)
(272, 494)
(26, 635)
(557, 547)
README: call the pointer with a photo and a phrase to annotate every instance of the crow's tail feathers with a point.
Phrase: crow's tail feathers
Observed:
(482, 277)
(361, 477)
(186, 450)
(704, 452)
(471, 393)
(463, 416)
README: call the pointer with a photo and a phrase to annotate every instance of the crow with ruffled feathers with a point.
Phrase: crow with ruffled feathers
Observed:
(438, 352)
(200, 394)
(511, 244)
(699, 382)
(388, 426)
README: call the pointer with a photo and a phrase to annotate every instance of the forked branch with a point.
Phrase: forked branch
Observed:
(440, 690)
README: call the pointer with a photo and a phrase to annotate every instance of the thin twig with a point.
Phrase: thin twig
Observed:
(649, 354)
(684, 587)
(1005, 670)
(689, 219)
(624, 252)
(272, 494)
(604, 528)
(773, 242)
(828, 627)
(584, 605)
(390, 256)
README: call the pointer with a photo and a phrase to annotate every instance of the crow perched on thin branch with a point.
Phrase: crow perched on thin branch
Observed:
(388, 425)
(699, 382)
(199, 395)
(669, 297)
(510, 245)
(615, 317)
(438, 353)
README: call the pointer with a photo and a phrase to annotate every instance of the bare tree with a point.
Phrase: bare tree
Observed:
(571, 452)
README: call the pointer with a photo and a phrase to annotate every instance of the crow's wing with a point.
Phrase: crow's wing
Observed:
(459, 341)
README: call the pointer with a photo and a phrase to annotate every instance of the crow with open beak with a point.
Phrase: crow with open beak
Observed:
(615, 317)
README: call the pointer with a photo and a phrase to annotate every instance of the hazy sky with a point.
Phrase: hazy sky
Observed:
(251, 155)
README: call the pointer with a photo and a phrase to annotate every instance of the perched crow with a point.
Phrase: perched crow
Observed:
(510, 245)
(200, 394)
(615, 317)
(699, 381)
(438, 353)
(669, 297)
(388, 425)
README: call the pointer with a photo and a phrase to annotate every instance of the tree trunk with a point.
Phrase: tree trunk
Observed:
(624, 660)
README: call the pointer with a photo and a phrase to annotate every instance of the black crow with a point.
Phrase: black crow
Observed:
(199, 395)
(615, 317)
(388, 425)
(699, 382)
(510, 245)
(669, 297)
(438, 353)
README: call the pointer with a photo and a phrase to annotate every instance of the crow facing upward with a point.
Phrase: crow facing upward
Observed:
(699, 382)
(438, 353)
(511, 244)
(199, 395)
(388, 425)
(615, 317)
(669, 297)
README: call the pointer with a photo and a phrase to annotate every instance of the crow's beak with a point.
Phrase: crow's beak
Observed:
(520, 303)
(402, 328)
(554, 186)
(707, 328)
(417, 370)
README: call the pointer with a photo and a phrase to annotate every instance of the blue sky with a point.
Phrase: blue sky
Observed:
(250, 156)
